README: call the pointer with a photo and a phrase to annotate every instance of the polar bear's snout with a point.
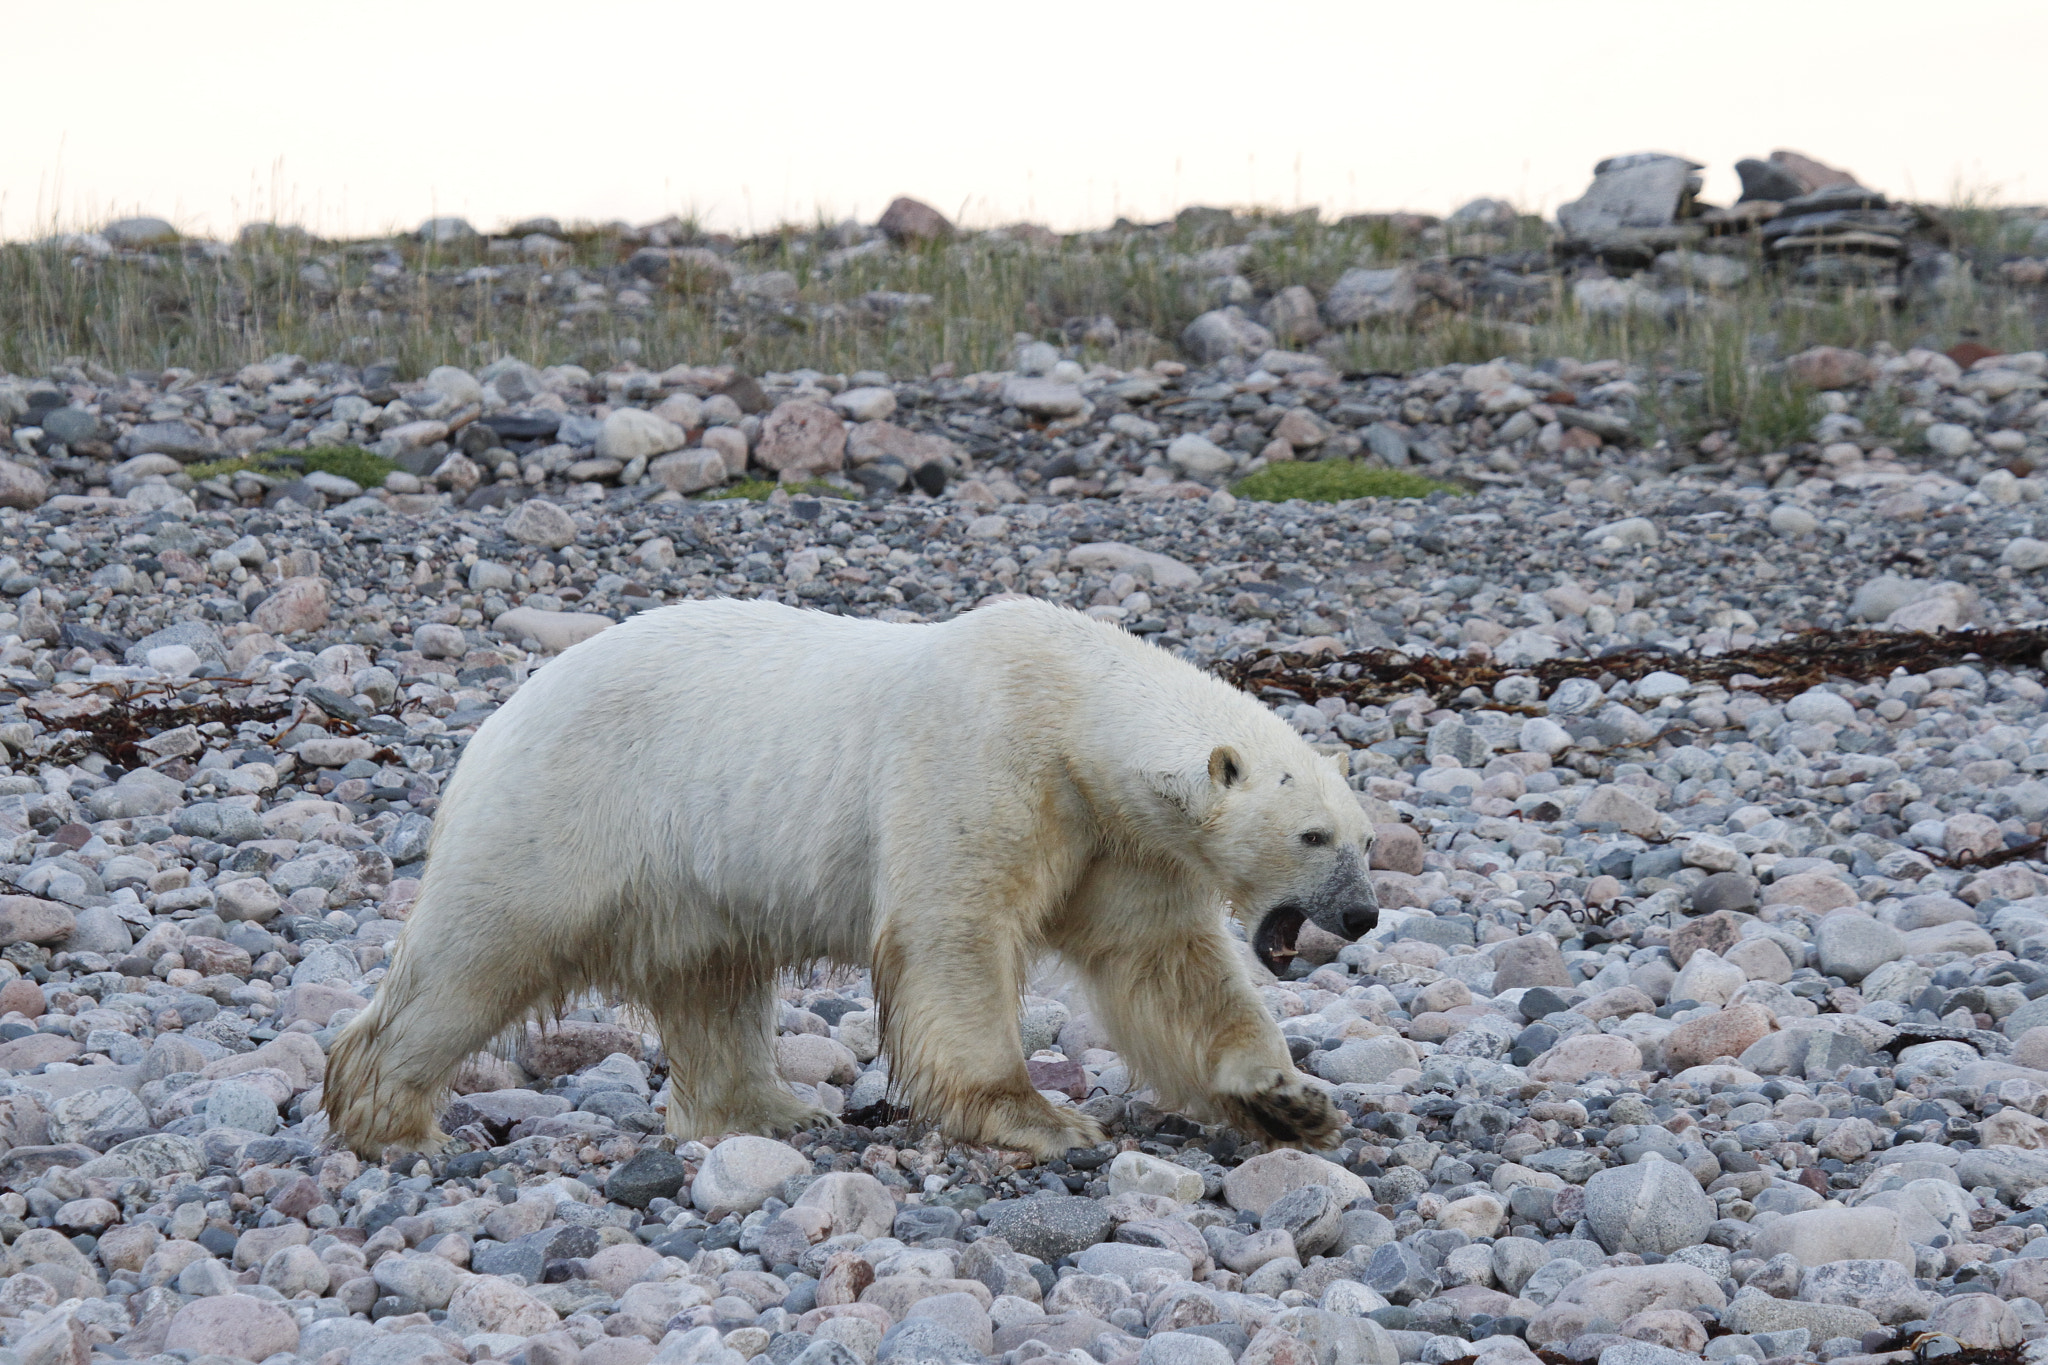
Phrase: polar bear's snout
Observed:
(1345, 905)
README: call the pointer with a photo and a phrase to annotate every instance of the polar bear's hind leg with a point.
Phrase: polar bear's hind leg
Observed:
(717, 1025)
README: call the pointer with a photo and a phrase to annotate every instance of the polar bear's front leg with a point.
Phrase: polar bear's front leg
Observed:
(948, 989)
(1167, 985)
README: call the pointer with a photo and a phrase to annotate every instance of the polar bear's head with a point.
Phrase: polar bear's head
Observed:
(1285, 836)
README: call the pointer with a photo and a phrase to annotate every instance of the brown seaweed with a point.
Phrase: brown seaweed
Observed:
(1779, 669)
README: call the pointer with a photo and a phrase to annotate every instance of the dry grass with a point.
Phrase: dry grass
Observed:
(212, 309)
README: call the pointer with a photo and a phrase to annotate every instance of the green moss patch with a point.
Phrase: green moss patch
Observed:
(1336, 481)
(350, 462)
(757, 490)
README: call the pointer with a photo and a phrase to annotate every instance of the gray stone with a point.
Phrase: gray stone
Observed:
(825, 1351)
(443, 231)
(1818, 1236)
(1040, 1021)
(407, 842)
(425, 1279)
(1852, 946)
(1515, 1259)
(1038, 398)
(1367, 1228)
(1362, 294)
(181, 441)
(1531, 960)
(131, 797)
(651, 1175)
(1309, 1215)
(742, 1172)
(32, 919)
(134, 234)
(1399, 1275)
(1762, 1313)
(634, 433)
(1652, 1206)
(1641, 190)
(234, 1105)
(1574, 1166)
(1199, 456)
(103, 1109)
(1126, 1262)
(1365, 1060)
(1338, 1338)
(1049, 1226)
(2011, 1171)
(220, 821)
(540, 522)
(158, 1155)
(1386, 443)
(1645, 1353)
(924, 1341)
(197, 636)
(1724, 891)
(1183, 1348)
(1820, 706)
(99, 930)
(1224, 332)
(1884, 1288)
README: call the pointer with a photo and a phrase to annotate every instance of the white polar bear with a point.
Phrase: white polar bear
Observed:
(678, 809)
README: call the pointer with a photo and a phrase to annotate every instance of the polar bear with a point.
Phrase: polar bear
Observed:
(698, 798)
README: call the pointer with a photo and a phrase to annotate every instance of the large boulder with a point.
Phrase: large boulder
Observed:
(1363, 294)
(742, 1172)
(908, 222)
(1819, 1236)
(1224, 332)
(1256, 1183)
(630, 434)
(801, 437)
(22, 486)
(31, 919)
(1640, 190)
(1852, 946)
(1653, 1206)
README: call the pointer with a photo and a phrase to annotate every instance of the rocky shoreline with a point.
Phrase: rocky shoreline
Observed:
(1705, 1022)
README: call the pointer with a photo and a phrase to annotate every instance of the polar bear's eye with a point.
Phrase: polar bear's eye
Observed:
(1315, 838)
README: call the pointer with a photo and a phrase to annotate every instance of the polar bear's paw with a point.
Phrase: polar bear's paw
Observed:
(1037, 1127)
(776, 1116)
(810, 1117)
(786, 1117)
(1286, 1111)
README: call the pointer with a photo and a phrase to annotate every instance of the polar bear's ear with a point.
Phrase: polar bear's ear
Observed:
(1191, 791)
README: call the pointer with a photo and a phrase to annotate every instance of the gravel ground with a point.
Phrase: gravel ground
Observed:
(1694, 1027)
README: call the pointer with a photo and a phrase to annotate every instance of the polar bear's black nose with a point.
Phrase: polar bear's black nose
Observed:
(1359, 920)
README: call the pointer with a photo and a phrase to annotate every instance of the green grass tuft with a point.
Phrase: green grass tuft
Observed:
(351, 462)
(1337, 481)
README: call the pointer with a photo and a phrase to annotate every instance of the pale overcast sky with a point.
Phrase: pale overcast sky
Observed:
(360, 117)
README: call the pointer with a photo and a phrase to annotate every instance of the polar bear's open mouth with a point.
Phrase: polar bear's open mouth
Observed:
(1273, 945)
